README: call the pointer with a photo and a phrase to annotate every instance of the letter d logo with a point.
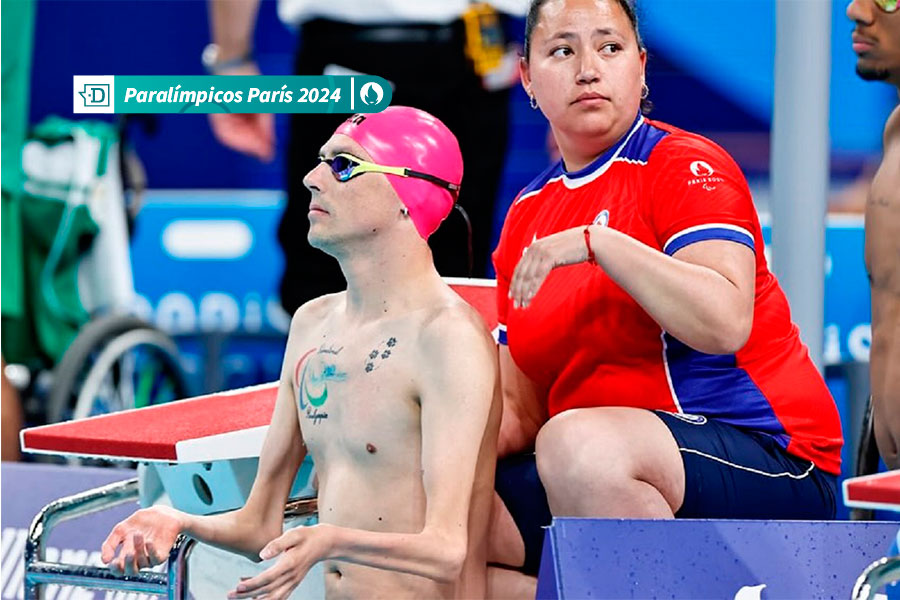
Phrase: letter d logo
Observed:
(93, 94)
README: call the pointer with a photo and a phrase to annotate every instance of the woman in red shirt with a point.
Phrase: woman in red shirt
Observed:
(647, 353)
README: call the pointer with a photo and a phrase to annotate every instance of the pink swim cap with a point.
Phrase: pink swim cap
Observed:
(401, 136)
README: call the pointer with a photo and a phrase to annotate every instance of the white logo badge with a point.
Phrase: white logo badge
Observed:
(692, 419)
(371, 93)
(93, 94)
(602, 218)
(700, 168)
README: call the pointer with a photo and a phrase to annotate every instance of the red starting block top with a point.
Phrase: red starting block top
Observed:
(880, 491)
(221, 426)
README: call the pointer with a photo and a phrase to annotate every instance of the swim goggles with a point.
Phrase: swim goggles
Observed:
(888, 6)
(346, 167)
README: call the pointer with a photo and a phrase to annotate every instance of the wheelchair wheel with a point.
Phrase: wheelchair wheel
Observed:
(116, 363)
(135, 369)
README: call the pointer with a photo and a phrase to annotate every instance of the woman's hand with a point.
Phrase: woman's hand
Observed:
(300, 549)
(542, 256)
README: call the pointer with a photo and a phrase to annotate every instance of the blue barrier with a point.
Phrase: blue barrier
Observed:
(745, 560)
(208, 263)
(30, 487)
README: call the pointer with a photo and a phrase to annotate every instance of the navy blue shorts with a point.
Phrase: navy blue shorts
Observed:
(730, 473)
(518, 485)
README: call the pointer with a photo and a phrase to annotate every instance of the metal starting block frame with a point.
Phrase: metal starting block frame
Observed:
(172, 583)
(879, 491)
(203, 475)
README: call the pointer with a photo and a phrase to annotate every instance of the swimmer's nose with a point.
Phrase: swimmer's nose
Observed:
(312, 180)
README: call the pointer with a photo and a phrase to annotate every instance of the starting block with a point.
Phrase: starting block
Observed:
(876, 492)
(204, 451)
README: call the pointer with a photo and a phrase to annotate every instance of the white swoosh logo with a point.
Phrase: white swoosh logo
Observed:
(750, 592)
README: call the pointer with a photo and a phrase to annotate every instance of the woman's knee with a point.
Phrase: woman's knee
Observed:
(577, 444)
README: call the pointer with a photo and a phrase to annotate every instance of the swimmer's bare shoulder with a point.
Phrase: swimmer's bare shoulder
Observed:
(451, 319)
(317, 308)
(453, 336)
(306, 318)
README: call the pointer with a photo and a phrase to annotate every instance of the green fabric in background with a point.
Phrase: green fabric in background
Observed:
(55, 313)
(57, 230)
(16, 38)
(55, 307)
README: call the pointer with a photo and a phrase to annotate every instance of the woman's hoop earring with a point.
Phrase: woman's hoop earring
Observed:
(532, 102)
(645, 91)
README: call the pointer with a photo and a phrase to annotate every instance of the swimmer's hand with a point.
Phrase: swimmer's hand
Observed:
(297, 551)
(145, 539)
(542, 256)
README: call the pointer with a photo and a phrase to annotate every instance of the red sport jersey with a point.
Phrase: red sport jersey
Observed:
(588, 343)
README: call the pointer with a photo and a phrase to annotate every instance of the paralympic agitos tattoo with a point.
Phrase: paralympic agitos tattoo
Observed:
(316, 369)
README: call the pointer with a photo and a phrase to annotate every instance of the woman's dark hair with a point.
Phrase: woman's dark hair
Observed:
(534, 14)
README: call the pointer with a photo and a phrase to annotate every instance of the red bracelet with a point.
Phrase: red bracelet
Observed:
(587, 242)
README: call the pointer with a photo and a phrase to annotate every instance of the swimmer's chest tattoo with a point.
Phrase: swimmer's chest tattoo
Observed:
(314, 372)
(382, 352)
